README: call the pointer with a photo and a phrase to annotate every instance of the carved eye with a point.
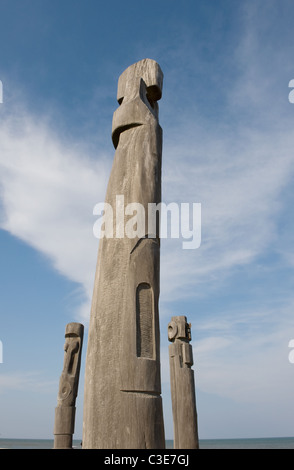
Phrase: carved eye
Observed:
(120, 100)
(172, 330)
(153, 94)
(65, 391)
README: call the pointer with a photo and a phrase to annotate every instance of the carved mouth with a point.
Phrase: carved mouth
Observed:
(119, 130)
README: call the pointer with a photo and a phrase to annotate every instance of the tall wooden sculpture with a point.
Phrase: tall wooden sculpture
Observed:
(68, 387)
(182, 384)
(122, 395)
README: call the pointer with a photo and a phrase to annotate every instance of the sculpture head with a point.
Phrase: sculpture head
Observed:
(74, 330)
(68, 383)
(139, 89)
(178, 328)
(150, 72)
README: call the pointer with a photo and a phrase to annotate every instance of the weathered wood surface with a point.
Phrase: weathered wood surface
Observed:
(122, 396)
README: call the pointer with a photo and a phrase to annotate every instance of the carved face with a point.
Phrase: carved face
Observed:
(178, 328)
(69, 377)
(139, 89)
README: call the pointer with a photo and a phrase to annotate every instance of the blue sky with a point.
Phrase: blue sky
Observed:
(227, 143)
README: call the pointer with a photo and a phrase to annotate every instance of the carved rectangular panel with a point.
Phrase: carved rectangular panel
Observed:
(144, 321)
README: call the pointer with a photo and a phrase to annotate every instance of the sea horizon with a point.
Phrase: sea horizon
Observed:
(221, 443)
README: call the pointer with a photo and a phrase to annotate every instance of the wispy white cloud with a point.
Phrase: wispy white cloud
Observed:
(239, 165)
(49, 187)
(239, 183)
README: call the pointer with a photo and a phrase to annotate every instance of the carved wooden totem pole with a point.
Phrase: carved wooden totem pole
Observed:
(122, 402)
(182, 384)
(68, 387)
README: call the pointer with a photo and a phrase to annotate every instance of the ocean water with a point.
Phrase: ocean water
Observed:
(260, 443)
